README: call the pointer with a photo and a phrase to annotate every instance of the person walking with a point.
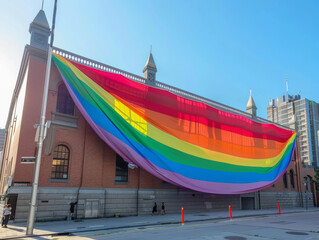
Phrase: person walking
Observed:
(6, 215)
(154, 208)
(72, 205)
(163, 209)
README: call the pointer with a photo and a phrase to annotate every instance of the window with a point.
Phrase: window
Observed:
(121, 174)
(292, 181)
(60, 163)
(284, 179)
(65, 103)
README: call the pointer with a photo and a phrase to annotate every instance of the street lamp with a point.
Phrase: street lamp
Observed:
(306, 181)
(42, 126)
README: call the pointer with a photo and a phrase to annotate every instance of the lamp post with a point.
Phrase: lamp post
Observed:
(306, 191)
(30, 223)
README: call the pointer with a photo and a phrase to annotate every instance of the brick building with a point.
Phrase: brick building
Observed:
(78, 166)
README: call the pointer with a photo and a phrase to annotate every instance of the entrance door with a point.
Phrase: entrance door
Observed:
(248, 203)
(12, 200)
(91, 208)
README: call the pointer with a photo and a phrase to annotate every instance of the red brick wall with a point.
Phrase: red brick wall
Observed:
(31, 116)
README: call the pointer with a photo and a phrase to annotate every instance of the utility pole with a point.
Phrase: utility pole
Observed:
(306, 181)
(41, 136)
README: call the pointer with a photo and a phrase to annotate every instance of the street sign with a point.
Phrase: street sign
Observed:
(27, 160)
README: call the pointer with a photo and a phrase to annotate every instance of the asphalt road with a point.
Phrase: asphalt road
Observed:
(291, 227)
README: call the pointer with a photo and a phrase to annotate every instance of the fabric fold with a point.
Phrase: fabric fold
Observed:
(184, 142)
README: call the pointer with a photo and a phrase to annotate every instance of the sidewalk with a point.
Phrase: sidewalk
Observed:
(17, 230)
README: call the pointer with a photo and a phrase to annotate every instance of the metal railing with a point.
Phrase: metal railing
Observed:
(157, 84)
(91, 63)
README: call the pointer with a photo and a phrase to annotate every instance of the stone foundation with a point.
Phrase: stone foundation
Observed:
(54, 203)
(285, 199)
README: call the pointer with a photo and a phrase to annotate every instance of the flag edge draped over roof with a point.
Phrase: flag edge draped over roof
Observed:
(133, 147)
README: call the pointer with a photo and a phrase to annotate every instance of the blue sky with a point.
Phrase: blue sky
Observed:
(216, 49)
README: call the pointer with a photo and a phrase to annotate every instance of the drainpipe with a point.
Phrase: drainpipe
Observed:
(81, 179)
(138, 190)
(259, 199)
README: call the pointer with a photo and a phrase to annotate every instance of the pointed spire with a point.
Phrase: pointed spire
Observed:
(40, 31)
(251, 106)
(150, 63)
(251, 103)
(150, 68)
(40, 20)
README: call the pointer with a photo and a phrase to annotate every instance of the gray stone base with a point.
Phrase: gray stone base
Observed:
(54, 203)
(285, 199)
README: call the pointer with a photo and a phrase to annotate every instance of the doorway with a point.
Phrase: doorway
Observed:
(91, 208)
(247, 203)
(12, 200)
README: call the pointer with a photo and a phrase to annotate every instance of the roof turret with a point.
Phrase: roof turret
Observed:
(40, 21)
(40, 31)
(150, 63)
(251, 107)
(150, 69)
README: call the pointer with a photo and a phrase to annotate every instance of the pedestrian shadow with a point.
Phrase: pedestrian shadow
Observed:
(15, 229)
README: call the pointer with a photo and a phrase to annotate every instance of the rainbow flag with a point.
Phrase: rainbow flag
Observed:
(184, 142)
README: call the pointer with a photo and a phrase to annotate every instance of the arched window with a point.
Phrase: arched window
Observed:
(292, 180)
(64, 103)
(284, 179)
(60, 163)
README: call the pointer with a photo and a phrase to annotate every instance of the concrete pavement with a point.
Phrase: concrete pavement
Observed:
(17, 230)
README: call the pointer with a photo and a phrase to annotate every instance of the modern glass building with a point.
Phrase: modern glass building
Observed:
(302, 115)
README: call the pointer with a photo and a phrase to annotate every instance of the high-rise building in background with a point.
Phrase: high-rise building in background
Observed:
(2, 138)
(302, 115)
